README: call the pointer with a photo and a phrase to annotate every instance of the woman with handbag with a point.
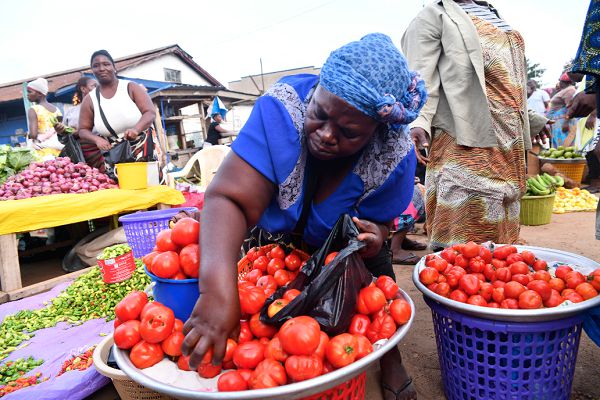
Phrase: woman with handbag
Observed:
(121, 112)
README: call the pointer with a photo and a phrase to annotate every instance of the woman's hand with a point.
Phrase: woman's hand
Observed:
(565, 126)
(102, 143)
(131, 134)
(59, 128)
(184, 214)
(419, 137)
(590, 123)
(216, 317)
(373, 236)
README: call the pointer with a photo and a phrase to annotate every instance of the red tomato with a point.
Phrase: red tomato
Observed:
(282, 277)
(261, 263)
(476, 264)
(370, 300)
(470, 250)
(443, 289)
(503, 251)
(274, 350)
(300, 336)
(493, 304)
(251, 299)
(521, 278)
(245, 333)
(470, 284)
(513, 258)
(586, 290)
(341, 350)
(489, 271)
(438, 263)
(485, 290)
(186, 231)
(513, 289)
(323, 340)
(461, 261)
(130, 307)
(477, 300)
(277, 252)
(330, 257)
(208, 370)
(428, 275)
(512, 304)
(117, 323)
(245, 373)
(498, 294)
(183, 363)
(231, 381)
(449, 255)
(260, 329)
(594, 279)
(499, 263)
(485, 254)
(542, 275)
(267, 282)
(554, 300)
(388, 286)
(498, 283)
(253, 275)
(572, 296)
(541, 287)
(458, 295)
(269, 373)
(148, 258)
(561, 271)
(157, 325)
(359, 324)
(248, 354)
(144, 354)
(127, 334)
(540, 265)
(149, 307)
(292, 262)
(164, 241)
(172, 344)
(400, 311)
(573, 279)
(301, 368)
(327, 367)
(275, 265)
(363, 346)
(291, 294)
(165, 265)
(251, 254)
(382, 327)
(276, 306)
(189, 260)
(503, 274)
(179, 276)
(530, 299)
(519, 267)
(557, 284)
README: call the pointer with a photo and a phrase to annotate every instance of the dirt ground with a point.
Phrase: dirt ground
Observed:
(572, 232)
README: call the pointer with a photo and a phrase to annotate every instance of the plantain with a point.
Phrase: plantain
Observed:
(548, 179)
(534, 184)
(542, 182)
(559, 180)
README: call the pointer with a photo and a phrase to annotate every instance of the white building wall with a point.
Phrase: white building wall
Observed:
(154, 70)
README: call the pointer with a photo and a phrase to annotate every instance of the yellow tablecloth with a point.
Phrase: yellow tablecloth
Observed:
(61, 209)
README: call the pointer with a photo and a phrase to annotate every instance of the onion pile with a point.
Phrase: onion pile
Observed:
(54, 177)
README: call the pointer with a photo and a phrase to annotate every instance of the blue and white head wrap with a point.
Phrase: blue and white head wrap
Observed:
(372, 75)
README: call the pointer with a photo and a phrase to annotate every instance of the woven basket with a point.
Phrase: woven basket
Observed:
(536, 210)
(127, 389)
(572, 169)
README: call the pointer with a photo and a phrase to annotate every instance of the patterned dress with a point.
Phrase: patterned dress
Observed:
(474, 193)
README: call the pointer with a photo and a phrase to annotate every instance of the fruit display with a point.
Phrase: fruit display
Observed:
(569, 200)
(265, 356)
(505, 278)
(543, 185)
(562, 153)
(54, 177)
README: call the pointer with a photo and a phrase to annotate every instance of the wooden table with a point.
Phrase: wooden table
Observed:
(56, 210)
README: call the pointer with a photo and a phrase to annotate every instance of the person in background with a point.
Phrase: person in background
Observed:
(476, 166)
(563, 129)
(400, 244)
(537, 99)
(118, 110)
(216, 131)
(314, 148)
(93, 156)
(41, 118)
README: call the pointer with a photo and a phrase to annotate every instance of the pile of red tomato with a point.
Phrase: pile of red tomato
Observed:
(176, 254)
(505, 278)
(264, 356)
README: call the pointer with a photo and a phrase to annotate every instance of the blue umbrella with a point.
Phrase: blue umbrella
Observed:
(218, 107)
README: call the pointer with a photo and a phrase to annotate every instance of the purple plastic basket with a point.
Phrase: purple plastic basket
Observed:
(486, 359)
(142, 227)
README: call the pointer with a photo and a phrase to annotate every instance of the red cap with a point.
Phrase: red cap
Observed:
(564, 77)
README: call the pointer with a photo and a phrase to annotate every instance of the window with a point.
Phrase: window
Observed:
(172, 75)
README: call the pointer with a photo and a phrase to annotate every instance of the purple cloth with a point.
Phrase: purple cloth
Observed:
(55, 345)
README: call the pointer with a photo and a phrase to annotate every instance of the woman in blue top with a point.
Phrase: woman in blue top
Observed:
(346, 132)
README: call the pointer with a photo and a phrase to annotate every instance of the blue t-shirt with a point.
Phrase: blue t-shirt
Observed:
(378, 188)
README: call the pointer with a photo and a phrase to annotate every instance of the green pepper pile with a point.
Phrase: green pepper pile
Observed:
(114, 251)
(88, 297)
(12, 370)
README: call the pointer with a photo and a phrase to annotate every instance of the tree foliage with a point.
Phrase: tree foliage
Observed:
(534, 71)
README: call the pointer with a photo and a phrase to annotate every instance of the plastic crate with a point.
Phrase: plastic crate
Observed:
(536, 210)
(352, 389)
(485, 359)
(142, 227)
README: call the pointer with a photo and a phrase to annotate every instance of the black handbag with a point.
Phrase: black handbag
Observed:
(72, 148)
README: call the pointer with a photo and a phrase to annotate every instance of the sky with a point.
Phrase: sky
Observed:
(230, 38)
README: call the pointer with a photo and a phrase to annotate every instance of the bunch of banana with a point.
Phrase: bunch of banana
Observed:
(542, 185)
(562, 153)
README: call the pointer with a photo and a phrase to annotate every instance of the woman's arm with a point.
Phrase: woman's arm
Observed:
(86, 123)
(33, 123)
(223, 131)
(234, 201)
(144, 104)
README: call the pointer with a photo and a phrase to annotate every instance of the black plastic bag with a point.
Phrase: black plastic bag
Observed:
(328, 294)
(121, 152)
(72, 148)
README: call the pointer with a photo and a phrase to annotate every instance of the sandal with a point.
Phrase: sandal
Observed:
(408, 259)
(408, 387)
(408, 244)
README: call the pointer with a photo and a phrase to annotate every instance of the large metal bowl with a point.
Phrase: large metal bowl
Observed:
(291, 391)
(577, 262)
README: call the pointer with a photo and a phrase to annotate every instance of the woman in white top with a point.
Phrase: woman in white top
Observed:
(128, 111)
